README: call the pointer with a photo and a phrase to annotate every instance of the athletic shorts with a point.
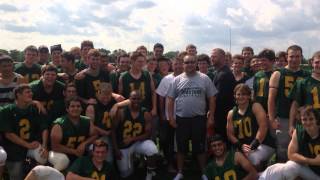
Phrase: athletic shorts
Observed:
(193, 129)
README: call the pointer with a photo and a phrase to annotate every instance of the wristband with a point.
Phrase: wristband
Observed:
(239, 145)
(254, 144)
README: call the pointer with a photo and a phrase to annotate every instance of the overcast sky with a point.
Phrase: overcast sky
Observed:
(126, 24)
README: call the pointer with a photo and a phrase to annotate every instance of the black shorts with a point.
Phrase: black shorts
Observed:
(193, 129)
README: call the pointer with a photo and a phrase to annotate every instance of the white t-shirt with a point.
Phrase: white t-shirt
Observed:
(163, 89)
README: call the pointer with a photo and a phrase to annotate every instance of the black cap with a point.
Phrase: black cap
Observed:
(56, 48)
(5, 58)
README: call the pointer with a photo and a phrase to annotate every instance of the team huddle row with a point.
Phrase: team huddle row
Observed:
(79, 114)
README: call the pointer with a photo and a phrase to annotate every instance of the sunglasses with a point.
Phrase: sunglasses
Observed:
(189, 62)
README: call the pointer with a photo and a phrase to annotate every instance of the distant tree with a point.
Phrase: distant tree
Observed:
(115, 54)
(16, 55)
(3, 51)
(171, 54)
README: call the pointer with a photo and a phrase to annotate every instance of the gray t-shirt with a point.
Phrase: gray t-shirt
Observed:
(190, 93)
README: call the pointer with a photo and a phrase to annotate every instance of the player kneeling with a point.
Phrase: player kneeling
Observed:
(227, 164)
(130, 132)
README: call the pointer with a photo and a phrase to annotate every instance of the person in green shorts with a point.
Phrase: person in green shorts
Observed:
(47, 89)
(306, 92)
(95, 166)
(29, 69)
(25, 130)
(138, 79)
(280, 84)
(227, 164)
(71, 133)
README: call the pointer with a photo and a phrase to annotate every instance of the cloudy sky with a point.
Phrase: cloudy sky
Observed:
(126, 24)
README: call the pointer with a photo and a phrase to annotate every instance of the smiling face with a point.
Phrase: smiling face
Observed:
(94, 62)
(139, 63)
(30, 56)
(316, 65)
(218, 148)
(74, 109)
(242, 94)
(189, 64)
(99, 154)
(49, 78)
(6, 68)
(294, 59)
(135, 99)
(25, 96)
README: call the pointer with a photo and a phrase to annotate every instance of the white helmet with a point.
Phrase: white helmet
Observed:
(36, 154)
(59, 161)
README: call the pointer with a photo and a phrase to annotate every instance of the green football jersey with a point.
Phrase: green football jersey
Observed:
(102, 114)
(88, 87)
(246, 127)
(261, 88)
(130, 127)
(30, 74)
(308, 147)
(83, 166)
(27, 124)
(73, 134)
(286, 82)
(306, 92)
(142, 84)
(228, 171)
(47, 99)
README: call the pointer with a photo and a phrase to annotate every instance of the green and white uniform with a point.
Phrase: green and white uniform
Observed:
(307, 92)
(286, 83)
(27, 124)
(73, 134)
(132, 127)
(245, 129)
